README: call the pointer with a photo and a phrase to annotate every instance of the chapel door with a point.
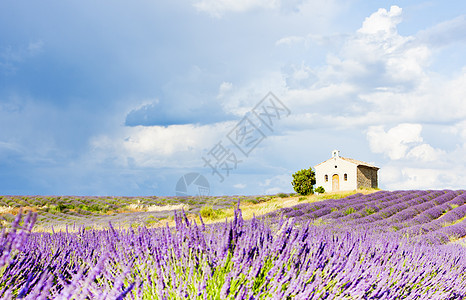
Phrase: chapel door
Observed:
(335, 183)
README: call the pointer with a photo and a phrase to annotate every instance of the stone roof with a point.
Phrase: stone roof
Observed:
(354, 161)
(359, 163)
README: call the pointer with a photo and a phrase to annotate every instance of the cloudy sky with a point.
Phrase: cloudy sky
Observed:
(125, 98)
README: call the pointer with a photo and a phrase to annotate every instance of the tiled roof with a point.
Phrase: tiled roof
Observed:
(354, 161)
(359, 163)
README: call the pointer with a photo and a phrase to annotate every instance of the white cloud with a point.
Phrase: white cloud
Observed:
(290, 40)
(419, 178)
(276, 184)
(377, 56)
(239, 186)
(382, 22)
(376, 76)
(299, 76)
(403, 141)
(396, 141)
(273, 190)
(459, 129)
(388, 174)
(425, 153)
(156, 146)
(423, 177)
(224, 88)
(415, 164)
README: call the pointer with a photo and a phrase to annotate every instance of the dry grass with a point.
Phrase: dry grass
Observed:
(6, 209)
(66, 228)
(16, 210)
(156, 208)
(249, 210)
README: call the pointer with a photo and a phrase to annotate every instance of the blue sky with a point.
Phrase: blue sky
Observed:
(120, 98)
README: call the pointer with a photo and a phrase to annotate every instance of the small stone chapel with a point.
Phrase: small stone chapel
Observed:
(345, 174)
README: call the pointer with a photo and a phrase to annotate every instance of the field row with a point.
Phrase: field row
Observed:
(429, 216)
(74, 211)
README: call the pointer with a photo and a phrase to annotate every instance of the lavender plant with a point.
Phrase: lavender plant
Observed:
(283, 255)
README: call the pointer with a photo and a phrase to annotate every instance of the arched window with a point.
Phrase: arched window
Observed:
(326, 178)
(346, 177)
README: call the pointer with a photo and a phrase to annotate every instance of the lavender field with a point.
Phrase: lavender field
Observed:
(384, 245)
(59, 212)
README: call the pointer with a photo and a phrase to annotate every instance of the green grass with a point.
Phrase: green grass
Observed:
(209, 213)
(349, 211)
(370, 210)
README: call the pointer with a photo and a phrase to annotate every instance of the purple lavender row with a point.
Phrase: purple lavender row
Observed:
(379, 212)
(440, 225)
(444, 235)
(446, 212)
(316, 210)
(334, 209)
(388, 204)
(405, 210)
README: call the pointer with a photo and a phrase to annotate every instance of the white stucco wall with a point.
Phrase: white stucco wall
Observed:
(342, 167)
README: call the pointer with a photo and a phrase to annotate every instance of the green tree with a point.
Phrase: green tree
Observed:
(303, 181)
(320, 190)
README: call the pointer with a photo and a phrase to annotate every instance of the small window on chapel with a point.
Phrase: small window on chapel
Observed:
(326, 178)
(346, 177)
